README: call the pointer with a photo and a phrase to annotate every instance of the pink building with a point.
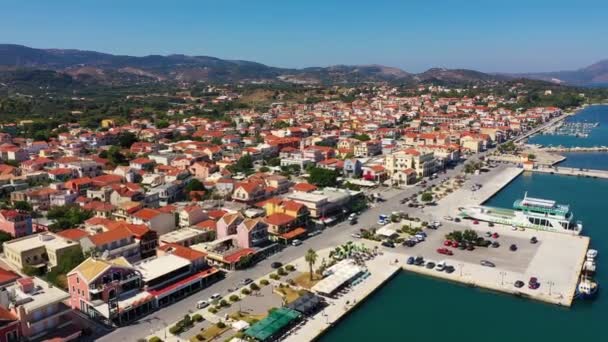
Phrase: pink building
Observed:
(252, 233)
(15, 222)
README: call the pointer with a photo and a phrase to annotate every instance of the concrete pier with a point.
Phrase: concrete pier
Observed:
(568, 171)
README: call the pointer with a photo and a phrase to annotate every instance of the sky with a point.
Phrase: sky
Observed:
(490, 35)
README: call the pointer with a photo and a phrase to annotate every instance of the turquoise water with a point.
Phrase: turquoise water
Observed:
(597, 137)
(415, 308)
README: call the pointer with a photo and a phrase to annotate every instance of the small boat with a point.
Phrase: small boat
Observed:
(591, 254)
(586, 289)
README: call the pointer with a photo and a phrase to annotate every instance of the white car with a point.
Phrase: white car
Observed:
(352, 216)
(436, 224)
(448, 218)
(419, 237)
(356, 235)
(382, 222)
(201, 304)
(440, 266)
(296, 242)
(215, 296)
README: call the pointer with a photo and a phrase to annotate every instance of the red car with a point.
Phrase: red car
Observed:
(447, 243)
(495, 235)
(444, 251)
(455, 244)
(475, 222)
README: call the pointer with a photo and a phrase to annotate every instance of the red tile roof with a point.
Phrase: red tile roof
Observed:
(279, 219)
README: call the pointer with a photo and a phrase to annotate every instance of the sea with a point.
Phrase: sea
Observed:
(411, 307)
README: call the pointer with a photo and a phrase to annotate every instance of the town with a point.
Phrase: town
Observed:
(118, 230)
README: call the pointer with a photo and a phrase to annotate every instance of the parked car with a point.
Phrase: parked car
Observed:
(495, 235)
(353, 221)
(533, 283)
(440, 266)
(495, 244)
(388, 244)
(513, 247)
(533, 240)
(519, 284)
(487, 263)
(455, 244)
(314, 232)
(419, 237)
(276, 265)
(444, 251)
(296, 242)
(410, 261)
(470, 247)
(356, 235)
(409, 243)
(490, 224)
(419, 261)
(247, 281)
(488, 234)
(457, 219)
(215, 296)
(449, 269)
(475, 222)
(447, 243)
(201, 304)
(448, 218)
(430, 265)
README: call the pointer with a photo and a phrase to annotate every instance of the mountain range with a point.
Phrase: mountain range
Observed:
(91, 66)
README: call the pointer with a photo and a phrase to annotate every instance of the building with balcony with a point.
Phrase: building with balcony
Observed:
(40, 309)
(43, 250)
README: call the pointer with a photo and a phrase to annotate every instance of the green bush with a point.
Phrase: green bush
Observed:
(224, 303)
(213, 310)
(175, 330)
(155, 339)
(274, 276)
(290, 268)
(281, 271)
(220, 325)
(234, 298)
(246, 292)
(264, 282)
(254, 287)
(197, 317)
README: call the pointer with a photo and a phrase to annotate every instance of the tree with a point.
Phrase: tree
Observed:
(323, 177)
(244, 164)
(162, 124)
(22, 205)
(194, 185)
(362, 137)
(67, 216)
(531, 156)
(126, 139)
(427, 197)
(216, 141)
(264, 169)
(311, 259)
(114, 156)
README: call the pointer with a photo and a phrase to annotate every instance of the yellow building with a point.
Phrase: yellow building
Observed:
(107, 123)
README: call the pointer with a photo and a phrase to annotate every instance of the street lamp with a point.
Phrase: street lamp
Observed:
(461, 266)
(550, 283)
(502, 277)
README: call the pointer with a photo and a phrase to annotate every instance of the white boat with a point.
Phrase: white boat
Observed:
(589, 265)
(529, 212)
(586, 289)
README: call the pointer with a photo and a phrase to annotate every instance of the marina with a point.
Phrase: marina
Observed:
(577, 129)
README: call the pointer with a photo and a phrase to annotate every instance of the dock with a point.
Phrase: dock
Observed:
(569, 171)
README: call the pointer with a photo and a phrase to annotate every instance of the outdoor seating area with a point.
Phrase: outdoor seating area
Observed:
(274, 325)
(307, 304)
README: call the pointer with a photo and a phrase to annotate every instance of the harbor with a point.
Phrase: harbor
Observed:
(569, 171)
(556, 261)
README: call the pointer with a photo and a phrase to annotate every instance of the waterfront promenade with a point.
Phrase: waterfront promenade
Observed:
(569, 171)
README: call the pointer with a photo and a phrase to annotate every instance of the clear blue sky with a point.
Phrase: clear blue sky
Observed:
(490, 35)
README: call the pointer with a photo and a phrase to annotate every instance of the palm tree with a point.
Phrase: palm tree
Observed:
(311, 259)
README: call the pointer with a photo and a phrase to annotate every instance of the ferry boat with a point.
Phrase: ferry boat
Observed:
(529, 212)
